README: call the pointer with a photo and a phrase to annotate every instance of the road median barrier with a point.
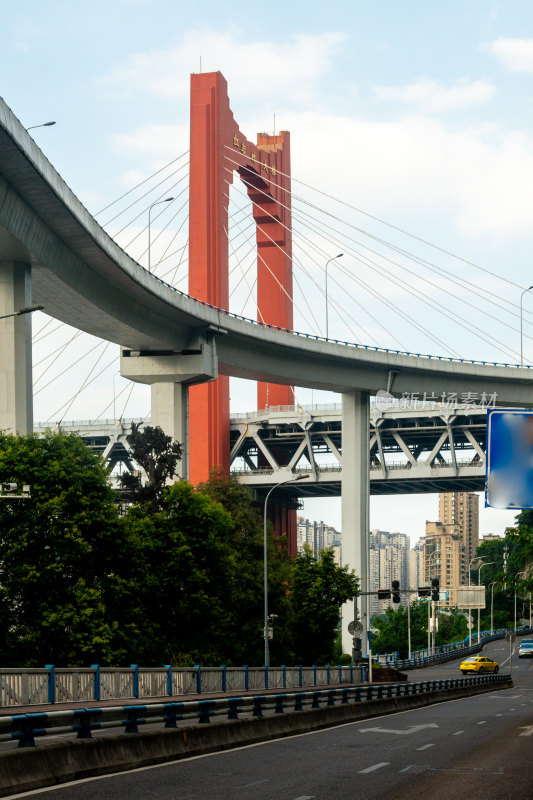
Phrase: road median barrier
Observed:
(247, 720)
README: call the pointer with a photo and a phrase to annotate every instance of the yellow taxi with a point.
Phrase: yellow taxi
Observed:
(479, 664)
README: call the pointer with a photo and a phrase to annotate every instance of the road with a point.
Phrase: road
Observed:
(479, 747)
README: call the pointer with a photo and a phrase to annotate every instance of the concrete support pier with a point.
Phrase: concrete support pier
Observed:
(170, 411)
(169, 377)
(16, 401)
(355, 506)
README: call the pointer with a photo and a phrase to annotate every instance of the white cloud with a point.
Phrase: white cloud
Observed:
(515, 54)
(432, 98)
(476, 177)
(285, 69)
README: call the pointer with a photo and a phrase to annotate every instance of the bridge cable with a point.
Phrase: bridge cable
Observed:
(166, 166)
(377, 219)
(268, 268)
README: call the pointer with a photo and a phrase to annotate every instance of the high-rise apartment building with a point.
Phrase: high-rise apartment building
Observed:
(416, 566)
(444, 558)
(318, 536)
(388, 561)
(462, 509)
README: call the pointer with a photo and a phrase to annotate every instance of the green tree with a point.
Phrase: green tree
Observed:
(319, 588)
(59, 553)
(247, 542)
(392, 629)
(186, 577)
(158, 456)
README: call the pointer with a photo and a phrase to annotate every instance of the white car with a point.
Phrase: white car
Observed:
(525, 650)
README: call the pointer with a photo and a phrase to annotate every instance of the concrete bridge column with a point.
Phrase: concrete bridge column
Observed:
(16, 401)
(355, 505)
(170, 411)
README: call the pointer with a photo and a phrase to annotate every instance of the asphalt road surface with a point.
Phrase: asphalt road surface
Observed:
(478, 747)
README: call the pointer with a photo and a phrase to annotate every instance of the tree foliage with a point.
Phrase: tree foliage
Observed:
(392, 635)
(157, 455)
(58, 554)
(319, 588)
(177, 579)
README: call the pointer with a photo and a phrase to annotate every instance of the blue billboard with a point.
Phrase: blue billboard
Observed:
(509, 475)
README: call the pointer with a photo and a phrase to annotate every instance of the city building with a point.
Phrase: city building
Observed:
(462, 509)
(318, 536)
(444, 558)
(416, 566)
(388, 561)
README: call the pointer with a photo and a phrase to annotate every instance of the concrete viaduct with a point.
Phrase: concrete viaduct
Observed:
(54, 253)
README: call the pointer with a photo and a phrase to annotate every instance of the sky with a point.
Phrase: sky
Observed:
(419, 114)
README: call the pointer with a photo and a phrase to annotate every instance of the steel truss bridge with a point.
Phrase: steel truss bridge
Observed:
(424, 449)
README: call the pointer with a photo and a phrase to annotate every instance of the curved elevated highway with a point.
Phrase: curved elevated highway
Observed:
(52, 247)
(85, 279)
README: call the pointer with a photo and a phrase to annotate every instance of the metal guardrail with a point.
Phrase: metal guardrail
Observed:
(25, 728)
(448, 651)
(51, 684)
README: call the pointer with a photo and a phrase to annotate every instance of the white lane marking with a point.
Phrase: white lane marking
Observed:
(374, 767)
(256, 783)
(458, 733)
(412, 729)
(499, 715)
(528, 730)
(483, 722)
(425, 746)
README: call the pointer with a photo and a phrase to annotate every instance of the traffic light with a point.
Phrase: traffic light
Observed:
(435, 591)
(396, 591)
(423, 591)
(383, 594)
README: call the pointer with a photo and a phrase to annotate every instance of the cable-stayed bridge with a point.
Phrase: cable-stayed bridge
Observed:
(186, 345)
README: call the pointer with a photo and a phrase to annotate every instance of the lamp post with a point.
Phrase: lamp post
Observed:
(329, 262)
(521, 325)
(484, 564)
(265, 561)
(431, 602)
(476, 558)
(493, 584)
(157, 202)
(516, 576)
(25, 310)
(42, 125)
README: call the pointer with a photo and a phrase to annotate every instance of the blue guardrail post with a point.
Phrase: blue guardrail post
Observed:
(168, 668)
(198, 669)
(51, 682)
(223, 668)
(246, 678)
(135, 668)
(96, 678)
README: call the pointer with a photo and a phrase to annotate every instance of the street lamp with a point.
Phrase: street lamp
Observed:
(328, 262)
(480, 559)
(25, 310)
(157, 202)
(265, 561)
(493, 584)
(516, 576)
(484, 564)
(42, 125)
(432, 555)
(521, 341)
